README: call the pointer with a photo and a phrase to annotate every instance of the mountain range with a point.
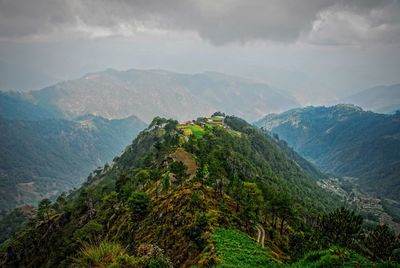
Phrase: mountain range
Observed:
(149, 93)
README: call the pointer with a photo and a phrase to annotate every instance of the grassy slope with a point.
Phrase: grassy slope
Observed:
(236, 249)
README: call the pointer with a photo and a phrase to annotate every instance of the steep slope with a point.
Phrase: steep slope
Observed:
(381, 99)
(42, 158)
(308, 167)
(347, 141)
(165, 197)
(149, 93)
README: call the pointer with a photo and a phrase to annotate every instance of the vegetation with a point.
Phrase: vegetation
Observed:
(236, 249)
(345, 140)
(42, 158)
(175, 201)
(13, 221)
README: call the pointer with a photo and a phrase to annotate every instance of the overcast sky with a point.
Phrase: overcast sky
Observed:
(316, 49)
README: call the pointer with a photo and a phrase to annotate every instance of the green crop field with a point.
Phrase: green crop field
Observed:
(237, 249)
(197, 130)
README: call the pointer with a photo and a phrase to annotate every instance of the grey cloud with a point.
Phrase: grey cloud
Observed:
(219, 22)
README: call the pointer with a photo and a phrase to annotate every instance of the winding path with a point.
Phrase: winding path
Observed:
(260, 235)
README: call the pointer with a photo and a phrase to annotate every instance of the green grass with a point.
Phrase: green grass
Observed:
(337, 257)
(189, 130)
(217, 119)
(236, 249)
(197, 130)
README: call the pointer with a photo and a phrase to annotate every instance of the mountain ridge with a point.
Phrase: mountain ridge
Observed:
(149, 93)
(345, 140)
(381, 99)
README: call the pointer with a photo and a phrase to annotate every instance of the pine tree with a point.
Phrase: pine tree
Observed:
(165, 182)
(179, 171)
(381, 242)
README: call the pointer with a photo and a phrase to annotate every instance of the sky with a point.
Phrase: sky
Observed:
(317, 50)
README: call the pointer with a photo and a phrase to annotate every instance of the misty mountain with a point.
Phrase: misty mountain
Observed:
(382, 99)
(347, 141)
(45, 154)
(15, 105)
(149, 93)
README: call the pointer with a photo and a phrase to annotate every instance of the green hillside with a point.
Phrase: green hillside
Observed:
(347, 141)
(43, 157)
(228, 197)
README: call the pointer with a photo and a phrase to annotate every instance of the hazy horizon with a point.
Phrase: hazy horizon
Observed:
(318, 51)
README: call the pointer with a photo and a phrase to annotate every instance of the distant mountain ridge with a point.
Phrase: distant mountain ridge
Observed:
(382, 99)
(44, 154)
(149, 93)
(345, 140)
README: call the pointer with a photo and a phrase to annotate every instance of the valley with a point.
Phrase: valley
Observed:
(370, 207)
(346, 141)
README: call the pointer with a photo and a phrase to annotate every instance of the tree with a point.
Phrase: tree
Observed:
(44, 208)
(250, 201)
(340, 227)
(285, 210)
(89, 232)
(165, 182)
(121, 182)
(139, 204)
(179, 171)
(381, 242)
(195, 231)
(142, 177)
(236, 189)
(218, 113)
(202, 174)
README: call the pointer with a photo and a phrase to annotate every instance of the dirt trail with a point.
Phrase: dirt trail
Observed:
(260, 235)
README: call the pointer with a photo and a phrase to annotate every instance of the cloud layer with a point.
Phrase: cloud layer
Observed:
(322, 22)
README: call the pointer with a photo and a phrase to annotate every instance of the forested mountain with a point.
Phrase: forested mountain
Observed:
(345, 140)
(194, 194)
(15, 105)
(43, 158)
(148, 93)
(44, 154)
(382, 99)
